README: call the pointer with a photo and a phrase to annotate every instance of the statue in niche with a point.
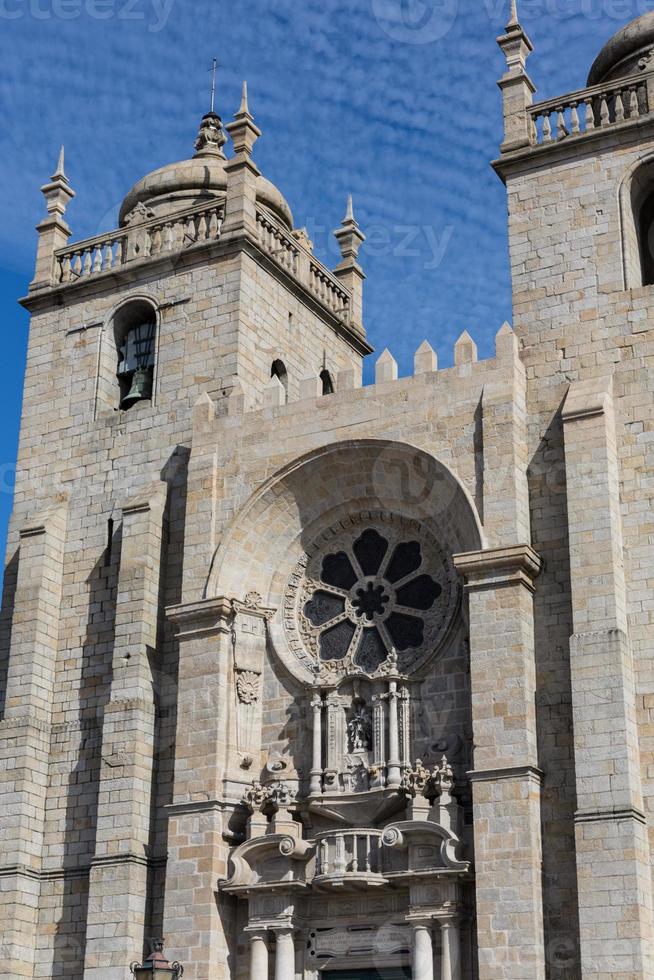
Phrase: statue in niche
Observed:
(359, 729)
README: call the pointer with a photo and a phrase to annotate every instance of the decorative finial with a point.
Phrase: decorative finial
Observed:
(59, 173)
(58, 192)
(211, 137)
(244, 107)
(513, 20)
(242, 129)
(349, 236)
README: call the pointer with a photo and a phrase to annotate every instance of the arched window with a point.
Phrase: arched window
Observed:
(278, 370)
(327, 382)
(637, 218)
(646, 239)
(135, 330)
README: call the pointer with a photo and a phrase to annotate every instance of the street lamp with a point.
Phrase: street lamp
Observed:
(157, 967)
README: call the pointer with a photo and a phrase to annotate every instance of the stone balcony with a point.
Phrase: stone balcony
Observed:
(350, 859)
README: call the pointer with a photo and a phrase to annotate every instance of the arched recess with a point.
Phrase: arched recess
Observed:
(318, 496)
(636, 201)
(128, 313)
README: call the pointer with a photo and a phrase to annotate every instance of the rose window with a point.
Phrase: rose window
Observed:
(375, 591)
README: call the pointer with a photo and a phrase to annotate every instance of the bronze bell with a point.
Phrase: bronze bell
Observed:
(140, 389)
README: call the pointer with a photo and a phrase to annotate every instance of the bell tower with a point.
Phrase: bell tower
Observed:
(579, 173)
(203, 288)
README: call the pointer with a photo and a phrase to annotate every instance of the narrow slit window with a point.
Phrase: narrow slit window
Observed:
(327, 382)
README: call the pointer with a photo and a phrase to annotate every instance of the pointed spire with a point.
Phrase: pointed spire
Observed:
(53, 230)
(243, 130)
(244, 107)
(514, 42)
(60, 173)
(516, 86)
(349, 236)
(57, 191)
(274, 394)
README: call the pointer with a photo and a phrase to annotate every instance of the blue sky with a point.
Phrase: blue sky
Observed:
(393, 100)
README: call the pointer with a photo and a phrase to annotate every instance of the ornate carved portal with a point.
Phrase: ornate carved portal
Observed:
(366, 610)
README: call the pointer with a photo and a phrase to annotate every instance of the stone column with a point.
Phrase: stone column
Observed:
(378, 739)
(506, 780)
(285, 955)
(394, 776)
(118, 885)
(334, 760)
(422, 967)
(258, 957)
(197, 851)
(451, 954)
(316, 766)
(613, 859)
(25, 734)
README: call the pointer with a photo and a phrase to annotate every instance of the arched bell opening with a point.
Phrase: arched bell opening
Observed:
(637, 218)
(127, 365)
(135, 331)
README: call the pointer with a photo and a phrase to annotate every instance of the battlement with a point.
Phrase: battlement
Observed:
(348, 385)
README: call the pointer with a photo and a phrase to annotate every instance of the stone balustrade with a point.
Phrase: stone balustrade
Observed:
(328, 289)
(149, 239)
(347, 856)
(291, 255)
(278, 244)
(155, 237)
(589, 109)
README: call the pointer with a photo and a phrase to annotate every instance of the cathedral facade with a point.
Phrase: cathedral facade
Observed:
(324, 681)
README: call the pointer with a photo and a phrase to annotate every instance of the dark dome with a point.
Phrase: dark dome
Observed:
(620, 55)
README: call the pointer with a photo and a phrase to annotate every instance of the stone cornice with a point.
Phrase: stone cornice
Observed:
(597, 815)
(493, 567)
(529, 772)
(203, 618)
(587, 399)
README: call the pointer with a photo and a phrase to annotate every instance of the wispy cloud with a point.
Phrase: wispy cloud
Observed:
(394, 100)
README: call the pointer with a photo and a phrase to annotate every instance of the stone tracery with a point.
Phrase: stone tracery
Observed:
(374, 588)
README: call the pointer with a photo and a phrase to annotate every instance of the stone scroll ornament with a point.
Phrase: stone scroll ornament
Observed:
(374, 593)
